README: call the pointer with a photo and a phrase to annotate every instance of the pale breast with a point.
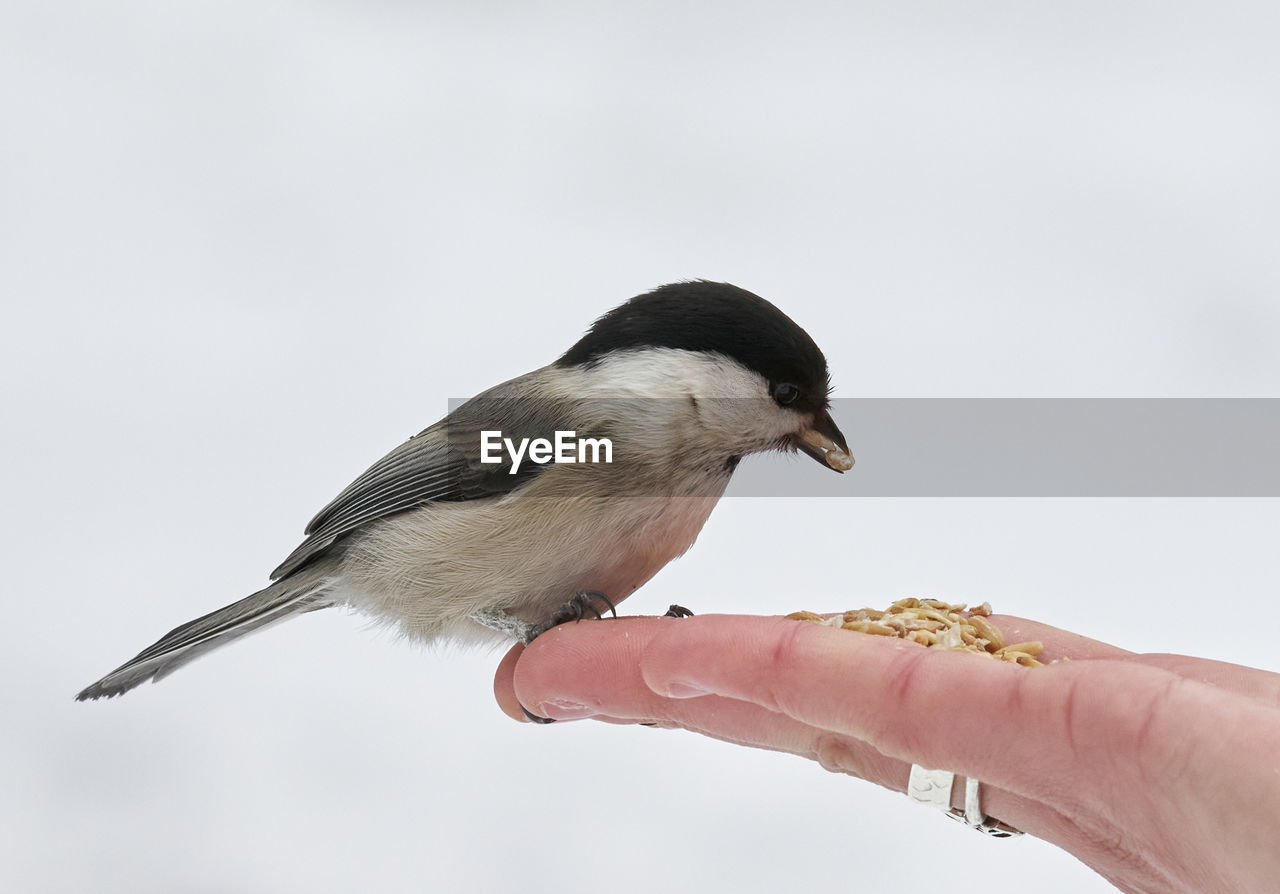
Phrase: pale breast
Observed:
(427, 571)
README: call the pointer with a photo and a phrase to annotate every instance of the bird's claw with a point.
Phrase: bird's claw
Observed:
(575, 609)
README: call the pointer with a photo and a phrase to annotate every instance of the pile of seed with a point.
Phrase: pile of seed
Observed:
(934, 623)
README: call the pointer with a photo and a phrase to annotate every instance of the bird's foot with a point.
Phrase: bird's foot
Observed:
(580, 606)
(678, 611)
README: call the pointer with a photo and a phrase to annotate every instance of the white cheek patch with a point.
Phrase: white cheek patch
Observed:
(710, 402)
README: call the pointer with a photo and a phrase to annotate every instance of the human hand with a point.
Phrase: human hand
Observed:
(1161, 772)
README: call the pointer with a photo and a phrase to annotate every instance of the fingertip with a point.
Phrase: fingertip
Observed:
(588, 669)
(504, 685)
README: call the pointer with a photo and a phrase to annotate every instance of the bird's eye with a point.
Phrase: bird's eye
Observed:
(786, 393)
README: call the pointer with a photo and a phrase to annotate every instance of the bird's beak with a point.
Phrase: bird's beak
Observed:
(825, 443)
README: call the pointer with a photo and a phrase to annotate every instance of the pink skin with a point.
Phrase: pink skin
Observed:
(1162, 772)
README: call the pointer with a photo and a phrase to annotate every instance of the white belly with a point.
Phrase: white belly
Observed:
(428, 571)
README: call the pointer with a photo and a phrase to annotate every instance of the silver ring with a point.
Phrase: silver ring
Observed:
(933, 787)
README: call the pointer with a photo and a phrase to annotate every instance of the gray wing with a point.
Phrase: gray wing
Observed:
(440, 464)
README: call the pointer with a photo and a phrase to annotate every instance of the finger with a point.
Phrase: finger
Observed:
(606, 686)
(503, 684)
(744, 723)
(1250, 682)
(589, 670)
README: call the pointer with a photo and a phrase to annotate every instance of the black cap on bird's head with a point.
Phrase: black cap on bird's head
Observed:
(719, 318)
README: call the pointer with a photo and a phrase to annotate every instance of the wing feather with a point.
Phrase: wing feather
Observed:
(440, 464)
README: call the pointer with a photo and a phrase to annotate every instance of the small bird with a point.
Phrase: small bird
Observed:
(556, 494)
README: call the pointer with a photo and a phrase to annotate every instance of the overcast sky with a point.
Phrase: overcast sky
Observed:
(247, 248)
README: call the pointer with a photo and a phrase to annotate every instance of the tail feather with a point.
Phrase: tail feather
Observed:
(300, 592)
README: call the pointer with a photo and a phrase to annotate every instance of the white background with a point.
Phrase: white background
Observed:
(247, 248)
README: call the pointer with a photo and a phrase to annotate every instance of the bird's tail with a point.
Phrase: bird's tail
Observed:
(302, 591)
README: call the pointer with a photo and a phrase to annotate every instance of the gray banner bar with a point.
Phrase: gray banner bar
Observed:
(1040, 447)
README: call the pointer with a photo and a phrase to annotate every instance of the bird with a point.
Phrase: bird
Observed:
(552, 496)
